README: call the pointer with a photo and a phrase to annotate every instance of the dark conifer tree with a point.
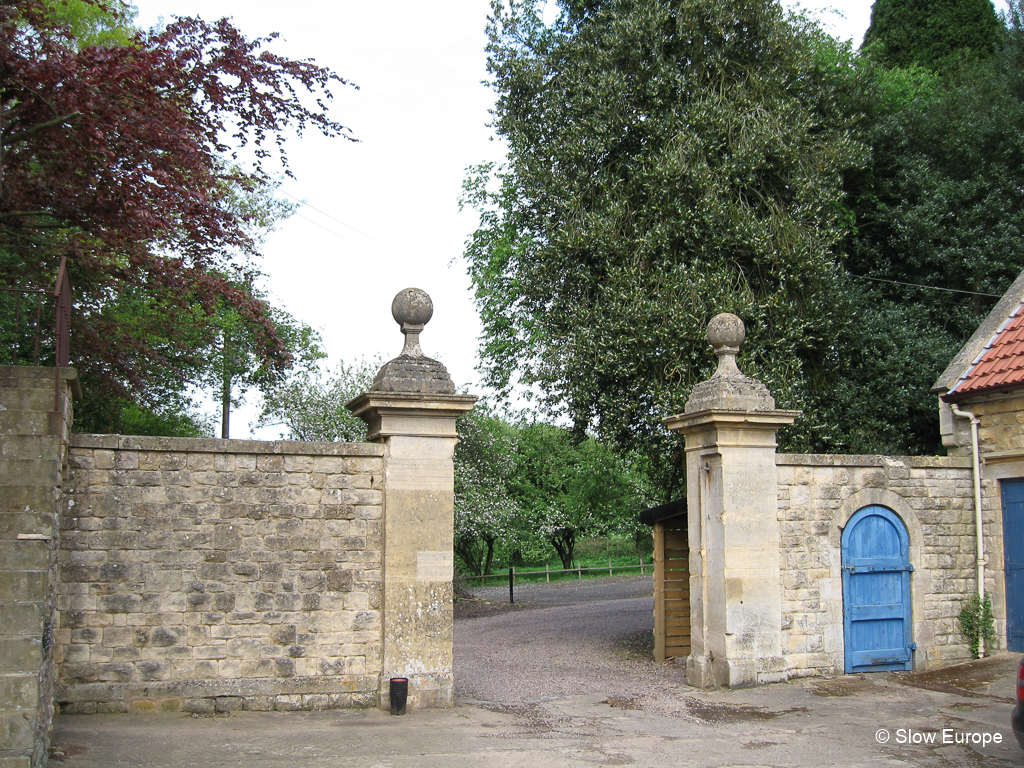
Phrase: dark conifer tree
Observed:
(931, 33)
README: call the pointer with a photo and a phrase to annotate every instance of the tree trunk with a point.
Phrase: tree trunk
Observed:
(490, 556)
(225, 395)
(564, 542)
(466, 548)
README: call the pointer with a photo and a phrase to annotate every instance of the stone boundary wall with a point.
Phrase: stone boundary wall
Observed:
(932, 495)
(205, 575)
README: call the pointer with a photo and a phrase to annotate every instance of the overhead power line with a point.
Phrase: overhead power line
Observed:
(344, 224)
(336, 234)
(930, 287)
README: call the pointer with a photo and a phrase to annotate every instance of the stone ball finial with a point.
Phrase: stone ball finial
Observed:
(412, 307)
(726, 332)
(412, 371)
(728, 388)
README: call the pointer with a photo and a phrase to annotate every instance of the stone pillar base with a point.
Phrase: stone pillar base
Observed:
(704, 672)
(698, 672)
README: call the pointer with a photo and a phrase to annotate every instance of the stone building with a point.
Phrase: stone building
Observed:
(981, 409)
(786, 565)
(141, 573)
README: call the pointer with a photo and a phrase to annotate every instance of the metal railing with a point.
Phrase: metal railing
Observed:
(62, 293)
(547, 572)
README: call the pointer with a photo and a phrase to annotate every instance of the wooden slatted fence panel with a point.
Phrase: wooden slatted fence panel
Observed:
(677, 590)
(671, 590)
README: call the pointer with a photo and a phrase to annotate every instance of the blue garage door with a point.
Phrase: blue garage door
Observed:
(1013, 555)
(876, 592)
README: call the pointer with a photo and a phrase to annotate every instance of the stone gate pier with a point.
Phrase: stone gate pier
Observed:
(730, 423)
(35, 419)
(411, 409)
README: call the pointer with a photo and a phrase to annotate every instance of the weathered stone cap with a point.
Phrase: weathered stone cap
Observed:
(728, 389)
(412, 371)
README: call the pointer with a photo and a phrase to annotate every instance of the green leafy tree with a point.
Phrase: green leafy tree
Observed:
(940, 204)
(310, 404)
(876, 398)
(238, 363)
(667, 161)
(240, 343)
(567, 491)
(486, 510)
(174, 419)
(188, 353)
(174, 368)
(92, 24)
(934, 34)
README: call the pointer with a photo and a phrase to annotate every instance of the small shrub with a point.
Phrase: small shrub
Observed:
(977, 624)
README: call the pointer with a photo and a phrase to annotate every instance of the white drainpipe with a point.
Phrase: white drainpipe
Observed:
(977, 505)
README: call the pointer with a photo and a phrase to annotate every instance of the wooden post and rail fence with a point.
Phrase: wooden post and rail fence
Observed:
(534, 575)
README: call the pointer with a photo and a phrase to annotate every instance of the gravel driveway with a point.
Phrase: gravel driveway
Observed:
(566, 638)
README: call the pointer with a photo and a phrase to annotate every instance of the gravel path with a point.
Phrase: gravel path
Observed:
(572, 637)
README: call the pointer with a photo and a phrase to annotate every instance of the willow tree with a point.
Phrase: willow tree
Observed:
(667, 161)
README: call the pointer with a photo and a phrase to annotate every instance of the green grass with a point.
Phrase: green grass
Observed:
(589, 553)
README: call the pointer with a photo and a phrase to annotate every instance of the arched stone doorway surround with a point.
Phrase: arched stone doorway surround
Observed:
(920, 580)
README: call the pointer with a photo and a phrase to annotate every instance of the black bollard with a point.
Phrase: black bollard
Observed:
(399, 694)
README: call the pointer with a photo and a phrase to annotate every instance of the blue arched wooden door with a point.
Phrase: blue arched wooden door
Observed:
(876, 592)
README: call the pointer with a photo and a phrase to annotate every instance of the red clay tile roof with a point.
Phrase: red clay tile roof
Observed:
(1001, 364)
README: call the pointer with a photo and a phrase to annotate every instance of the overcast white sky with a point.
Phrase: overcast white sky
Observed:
(382, 214)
